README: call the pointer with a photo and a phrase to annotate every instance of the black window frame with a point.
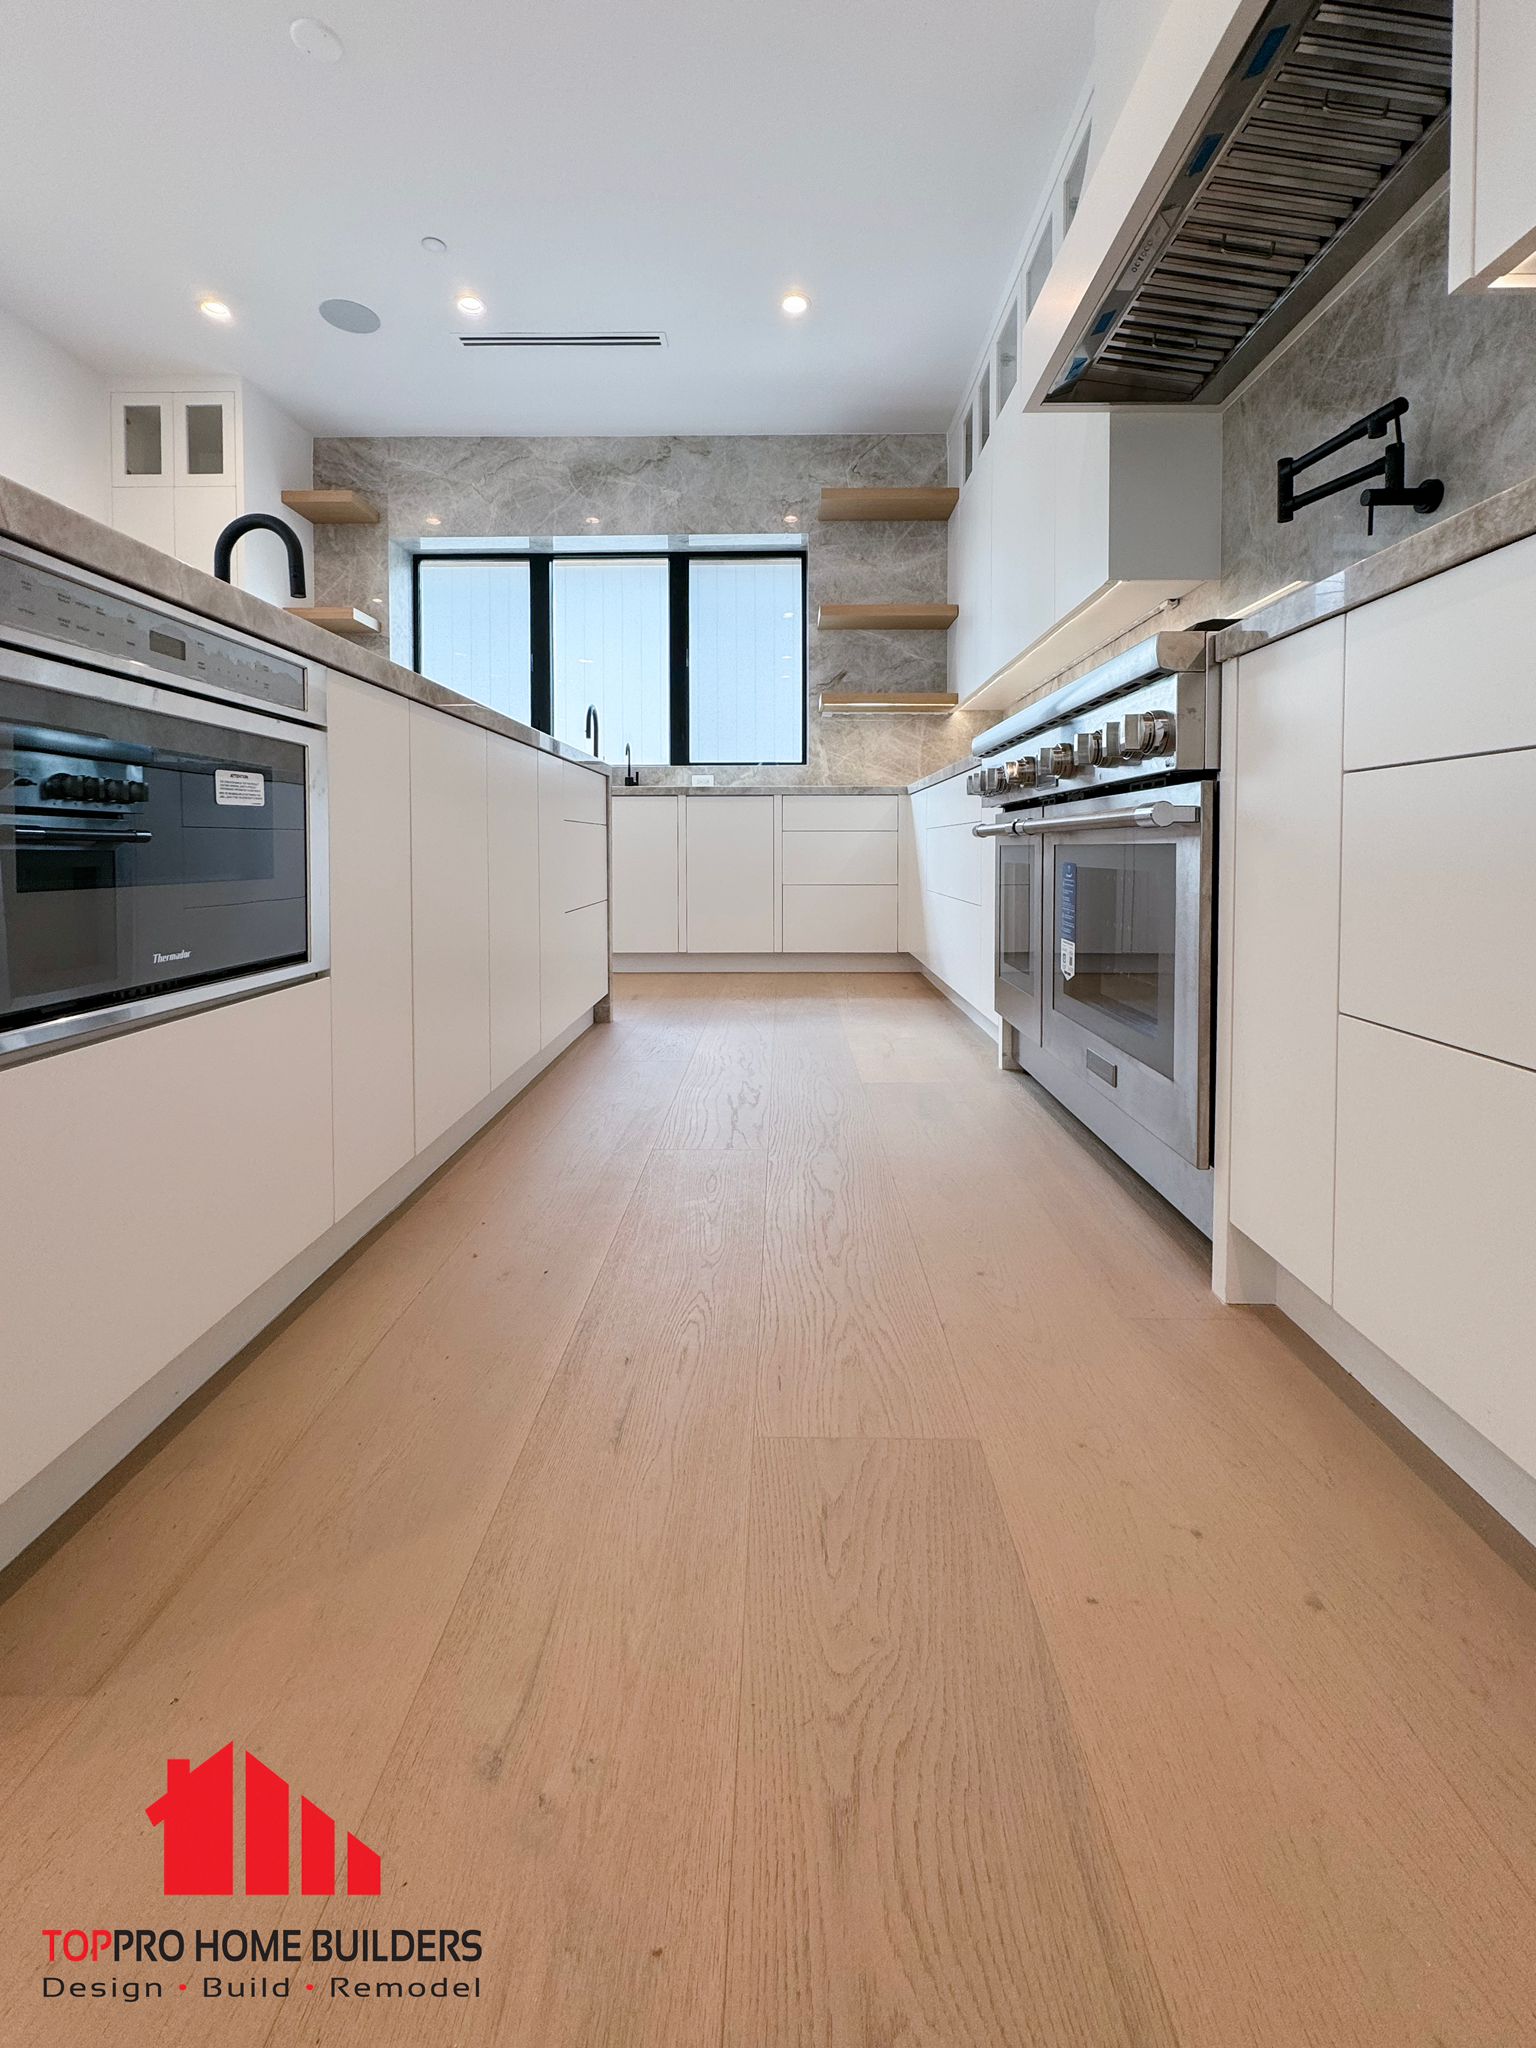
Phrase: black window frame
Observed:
(540, 620)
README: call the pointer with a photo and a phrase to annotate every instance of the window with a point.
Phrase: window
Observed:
(967, 447)
(687, 656)
(1008, 355)
(610, 647)
(1075, 179)
(983, 411)
(472, 631)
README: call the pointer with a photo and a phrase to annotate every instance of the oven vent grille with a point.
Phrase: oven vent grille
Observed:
(563, 340)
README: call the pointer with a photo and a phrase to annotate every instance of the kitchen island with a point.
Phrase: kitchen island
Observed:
(175, 1187)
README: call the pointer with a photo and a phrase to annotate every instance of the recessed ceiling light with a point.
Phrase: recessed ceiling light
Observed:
(794, 304)
(432, 520)
(593, 520)
(470, 306)
(312, 38)
(434, 245)
(350, 316)
(791, 518)
(214, 309)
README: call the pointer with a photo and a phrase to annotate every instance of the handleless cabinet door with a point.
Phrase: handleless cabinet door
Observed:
(512, 833)
(573, 907)
(1436, 1217)
(450, 918)
(1283, 872)
(371, 1039)
(730, 874)
(645, 874)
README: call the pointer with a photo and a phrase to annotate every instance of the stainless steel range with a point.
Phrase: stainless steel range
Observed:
(1105, 830)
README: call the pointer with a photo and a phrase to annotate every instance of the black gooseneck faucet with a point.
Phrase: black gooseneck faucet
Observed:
(248, 522)
(592, 730)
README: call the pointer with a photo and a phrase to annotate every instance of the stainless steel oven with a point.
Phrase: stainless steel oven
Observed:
(160, 846)
(1105, 836)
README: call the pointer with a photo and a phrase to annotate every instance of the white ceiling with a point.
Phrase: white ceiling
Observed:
(590, 163)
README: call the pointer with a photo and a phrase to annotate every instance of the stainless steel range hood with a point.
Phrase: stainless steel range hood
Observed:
(1334, 122)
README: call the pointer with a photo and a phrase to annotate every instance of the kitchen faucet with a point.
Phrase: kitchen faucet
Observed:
(248, 522)
(591, 730)
(631, 779)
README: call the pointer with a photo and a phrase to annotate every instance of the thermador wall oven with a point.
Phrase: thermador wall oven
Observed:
(158, 847)
(1105, 849)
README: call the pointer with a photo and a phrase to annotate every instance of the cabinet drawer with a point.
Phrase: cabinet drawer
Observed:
(840, 918)
(584, 792)
(585, 881)
(1439, 875)
(586, 953)
(839, 857)
(1445, 666)
(1436, 1213)
(840, 813)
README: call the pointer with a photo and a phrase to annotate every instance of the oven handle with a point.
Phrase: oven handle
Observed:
(78, 835)
(1157, 815)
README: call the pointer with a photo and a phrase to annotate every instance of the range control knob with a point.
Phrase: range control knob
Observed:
(90, 788)
(1019, 774)
(138, 792)
(1147, 733)
(1058, 760)
(60, 786)
(116, 790)
(1087, 749)
(975, 783)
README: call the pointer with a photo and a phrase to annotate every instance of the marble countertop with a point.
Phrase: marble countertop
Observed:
(1495, 523)
(759, 788)
(961, 767)
(54, 529)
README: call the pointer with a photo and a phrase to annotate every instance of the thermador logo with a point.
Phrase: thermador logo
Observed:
(164, 959)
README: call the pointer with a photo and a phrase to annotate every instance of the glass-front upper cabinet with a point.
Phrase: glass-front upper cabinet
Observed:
(173, 437)
(1007, 354)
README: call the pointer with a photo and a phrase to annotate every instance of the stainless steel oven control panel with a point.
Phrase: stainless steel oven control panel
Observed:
(74, 616)
(1164, 728)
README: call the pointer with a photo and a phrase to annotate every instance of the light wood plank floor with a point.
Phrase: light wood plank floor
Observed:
(780, 1537)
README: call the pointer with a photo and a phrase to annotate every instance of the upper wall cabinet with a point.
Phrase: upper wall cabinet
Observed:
(1072, 528)
(1493, 145)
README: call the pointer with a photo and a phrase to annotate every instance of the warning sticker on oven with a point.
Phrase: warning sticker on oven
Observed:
(243, 786)
(1066, 918)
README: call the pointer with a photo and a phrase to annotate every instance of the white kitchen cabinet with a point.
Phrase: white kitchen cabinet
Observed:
(841, 918)
(647, 879)
(730, 874)
(948, 897)
(1073, 527)
(171, 1172)
(512, 844)
(1493, 142)
(1283, 872)
(968, 644)
(869, 857)
(1444, 667)
(573, 908)
(450, 915)
(1436, 1217)
(1439, 878)
(839, 813)
(373, 1077)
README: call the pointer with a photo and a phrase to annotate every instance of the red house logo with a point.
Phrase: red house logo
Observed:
(197, 1813)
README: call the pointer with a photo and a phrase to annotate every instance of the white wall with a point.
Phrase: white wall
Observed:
(278, 456)
(53, 420)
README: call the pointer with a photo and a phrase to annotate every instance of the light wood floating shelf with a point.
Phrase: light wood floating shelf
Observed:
(886, 501)
(337, 618)
(332, 508)
(886, 618)
(869, 703)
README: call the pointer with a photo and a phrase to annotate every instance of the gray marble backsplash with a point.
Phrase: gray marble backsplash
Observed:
(504, 488)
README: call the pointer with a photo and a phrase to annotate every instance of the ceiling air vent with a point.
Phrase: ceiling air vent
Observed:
(564, 340)
(1332, 125)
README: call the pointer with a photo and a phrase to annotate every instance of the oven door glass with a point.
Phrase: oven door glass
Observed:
(1018, 934)
(141, 852)
(1127, 1001)
(1117, 929)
